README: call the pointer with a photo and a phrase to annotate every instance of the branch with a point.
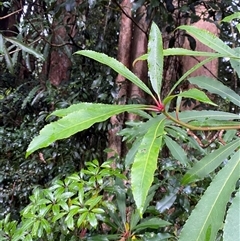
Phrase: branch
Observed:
(10, 14)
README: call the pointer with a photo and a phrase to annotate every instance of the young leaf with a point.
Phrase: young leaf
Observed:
(176, 150)
(24, 47)
(210, 162)
(142, 57)
(209, 40)
(216, 87)
(145, 163)
(155, 59)
(75, 122)
(231, 229)
(207, 217)
(117, 66)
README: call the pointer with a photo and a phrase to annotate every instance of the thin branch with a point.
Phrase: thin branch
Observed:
(10, 14)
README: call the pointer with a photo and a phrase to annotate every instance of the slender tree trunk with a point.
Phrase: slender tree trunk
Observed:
(132, 44)
(139, 47)
(57, 68)
(124, 47)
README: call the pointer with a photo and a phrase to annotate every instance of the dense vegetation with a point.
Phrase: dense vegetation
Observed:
(97, 202)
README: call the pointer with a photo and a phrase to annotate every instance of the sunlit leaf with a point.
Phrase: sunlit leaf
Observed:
(207, 217)
(216, 87)
(210, 162)
(117, 66)
(75, 122)
(145, 163)
(155, 59)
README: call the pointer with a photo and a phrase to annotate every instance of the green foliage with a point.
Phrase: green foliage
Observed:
(66, 208)
(149, 137)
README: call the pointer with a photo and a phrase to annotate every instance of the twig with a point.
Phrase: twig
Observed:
(10, 14)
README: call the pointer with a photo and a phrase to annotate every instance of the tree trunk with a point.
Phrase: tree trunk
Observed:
(124, 47)
(210, 69)
(58, 67)
(132, 44)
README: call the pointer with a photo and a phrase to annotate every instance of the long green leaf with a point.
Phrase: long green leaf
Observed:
(202, 115)
(188, 52)
(210, 162)
(231, 17)
(155, 59)
(231, 229)
(75, 122)
(216, 87)
(24, 47)
(117, 66)
(176, 150)
(145, 163)
(235, 63)
(209, 40)
(197, 95)
(207, 217)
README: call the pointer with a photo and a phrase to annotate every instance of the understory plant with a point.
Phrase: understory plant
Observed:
(160, 127)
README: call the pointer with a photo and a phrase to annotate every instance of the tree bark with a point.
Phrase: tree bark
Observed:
(124, 49)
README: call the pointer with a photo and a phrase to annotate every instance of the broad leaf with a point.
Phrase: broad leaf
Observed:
(176, 150)
(210, 162)
(155, 59)
(216, 87)
(145, 163)
(76, 121)
(209, 40)
(207, 217)
(24, 47)
(231, 229)
(117, 66)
